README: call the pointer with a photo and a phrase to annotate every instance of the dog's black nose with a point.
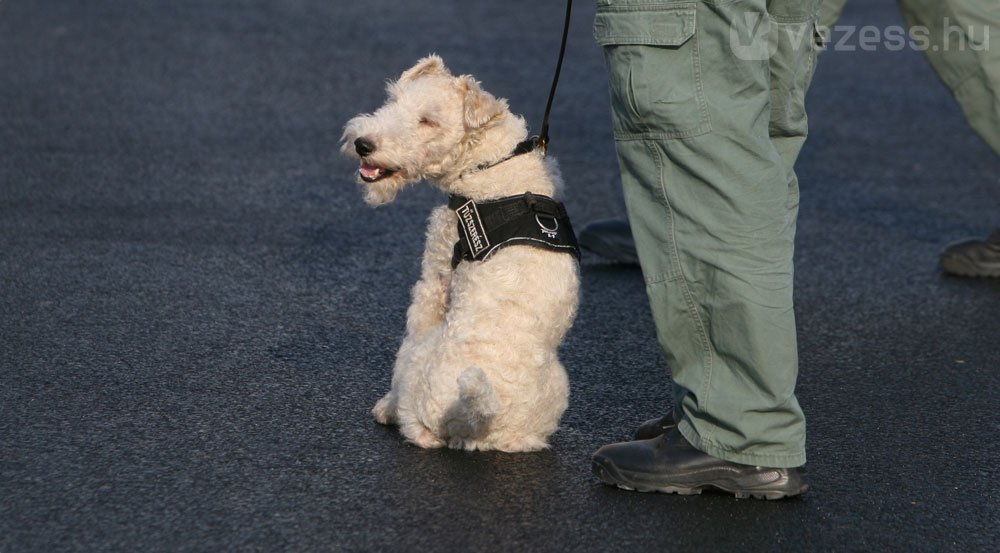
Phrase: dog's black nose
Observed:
(364, 146)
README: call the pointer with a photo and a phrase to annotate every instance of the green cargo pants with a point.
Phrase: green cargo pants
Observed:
(708, 115)
(961, 39)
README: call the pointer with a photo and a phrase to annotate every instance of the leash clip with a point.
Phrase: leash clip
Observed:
(543, 137)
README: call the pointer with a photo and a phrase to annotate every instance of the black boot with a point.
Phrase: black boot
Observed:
(668, 463)
(611, 239)
(973, 257)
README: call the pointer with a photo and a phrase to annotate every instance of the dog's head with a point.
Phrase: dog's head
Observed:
(428, 121)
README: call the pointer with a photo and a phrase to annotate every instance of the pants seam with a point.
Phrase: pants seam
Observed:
(707, 357)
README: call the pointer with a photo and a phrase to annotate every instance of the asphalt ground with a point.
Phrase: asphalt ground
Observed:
(197, 311)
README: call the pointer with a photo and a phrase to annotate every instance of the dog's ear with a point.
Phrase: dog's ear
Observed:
(431, 65)
(481, 107)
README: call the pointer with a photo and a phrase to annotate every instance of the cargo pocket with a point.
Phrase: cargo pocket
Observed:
(792, 63)
(654, 71)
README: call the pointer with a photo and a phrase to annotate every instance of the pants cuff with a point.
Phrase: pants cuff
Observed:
(770, 460)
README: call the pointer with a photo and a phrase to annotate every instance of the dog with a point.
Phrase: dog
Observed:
(478, 368)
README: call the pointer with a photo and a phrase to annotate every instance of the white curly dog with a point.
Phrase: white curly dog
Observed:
(478, 367)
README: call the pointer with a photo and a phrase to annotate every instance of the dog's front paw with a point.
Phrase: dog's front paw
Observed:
(385, 410)
(523, 444)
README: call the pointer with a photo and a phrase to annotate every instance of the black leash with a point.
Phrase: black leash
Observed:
(543, 138)
(540, 142)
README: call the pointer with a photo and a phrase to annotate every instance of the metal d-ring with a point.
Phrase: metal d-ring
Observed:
(548, 231)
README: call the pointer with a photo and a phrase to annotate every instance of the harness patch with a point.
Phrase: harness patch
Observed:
(528, 219)
(472, 226)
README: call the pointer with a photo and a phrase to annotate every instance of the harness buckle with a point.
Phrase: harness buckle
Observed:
(537, 205)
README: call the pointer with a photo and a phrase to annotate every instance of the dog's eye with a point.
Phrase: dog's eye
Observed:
(427, 121)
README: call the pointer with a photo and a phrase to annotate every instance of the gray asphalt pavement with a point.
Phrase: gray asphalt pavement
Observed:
(197, 311)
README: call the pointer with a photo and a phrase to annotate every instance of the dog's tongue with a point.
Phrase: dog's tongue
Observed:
(370, 171)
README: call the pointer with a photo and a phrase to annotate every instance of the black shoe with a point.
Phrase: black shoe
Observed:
(973, 257)
(611, 239)
(655, 427)
(669, 464)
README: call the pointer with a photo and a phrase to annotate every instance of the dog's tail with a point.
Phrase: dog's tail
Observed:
(478, 400)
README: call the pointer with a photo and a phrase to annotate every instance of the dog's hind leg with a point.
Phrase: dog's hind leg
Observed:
(385, 409)
(420, 435)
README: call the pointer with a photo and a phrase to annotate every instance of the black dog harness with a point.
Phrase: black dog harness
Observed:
(528, 219)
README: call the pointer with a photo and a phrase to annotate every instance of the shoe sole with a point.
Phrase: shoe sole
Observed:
(969, 273)
(607, 250)
(964, 267)
(609, 474)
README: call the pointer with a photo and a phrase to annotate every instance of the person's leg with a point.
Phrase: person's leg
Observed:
(961, 39)
(712, 207)
(612, 238)
(796, 40)
(829, 12)
(791, 67)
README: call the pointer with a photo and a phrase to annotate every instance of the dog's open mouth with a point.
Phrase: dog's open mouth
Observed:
(372, 173)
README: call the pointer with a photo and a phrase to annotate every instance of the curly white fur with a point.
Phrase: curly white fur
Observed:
(478, 367)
